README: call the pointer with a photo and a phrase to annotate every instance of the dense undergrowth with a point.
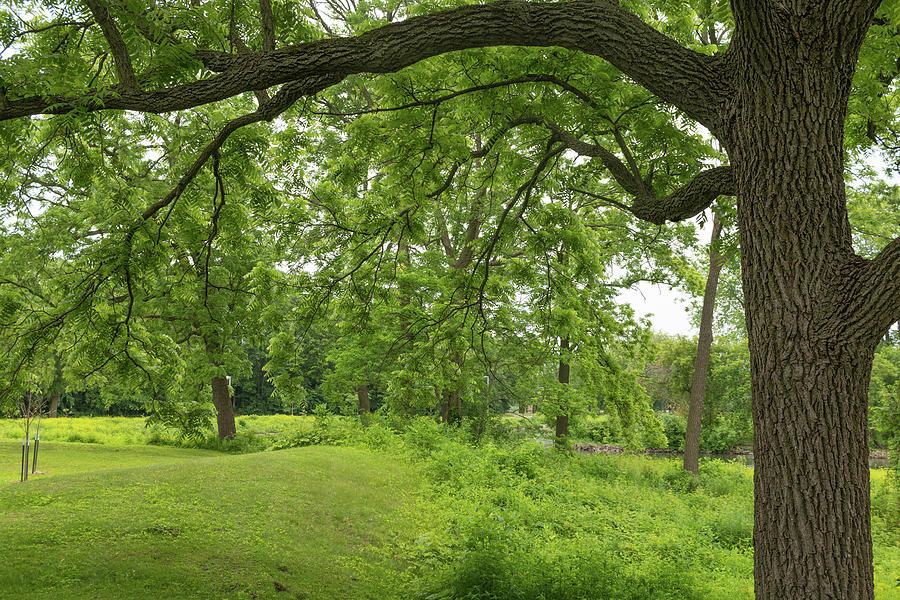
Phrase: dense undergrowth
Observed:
(505, 519)
(513, 521)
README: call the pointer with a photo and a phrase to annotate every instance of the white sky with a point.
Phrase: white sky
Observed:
(668, 308)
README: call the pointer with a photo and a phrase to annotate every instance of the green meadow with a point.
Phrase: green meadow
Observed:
(378, 511)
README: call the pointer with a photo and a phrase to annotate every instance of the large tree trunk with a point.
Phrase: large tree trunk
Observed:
(811, 527)
(362, 397)
(562, 420)
(224, 411)
(704, 346)
(811, 347)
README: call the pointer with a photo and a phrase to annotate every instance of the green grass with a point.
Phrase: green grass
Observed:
(133, 430)
(300, 523)
(63, 458)
(415, 512)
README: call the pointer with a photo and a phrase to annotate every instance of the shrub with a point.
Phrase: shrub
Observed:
(594, 428)
(498, 562)
(679, 480)
(423, 434)
(721, 437)
(377, 435)
(242, 443)
(522, 459)
(886, 499)
(317, 436)
(674, 428)
(733, 528)
(723, 478)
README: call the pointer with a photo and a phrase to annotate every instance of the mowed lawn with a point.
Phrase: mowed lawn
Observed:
(61, 458)
(153, 522)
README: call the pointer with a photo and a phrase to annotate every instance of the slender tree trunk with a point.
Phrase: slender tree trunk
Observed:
(562, 420)
(704, 347)
(452, 404)
(445, 409)
(362, 396)
(54, 406)
(811, 348)
(455, 406)
(224, 411)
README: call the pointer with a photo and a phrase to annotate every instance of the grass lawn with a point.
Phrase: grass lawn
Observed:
(62, 458)
(291, 524)
(417, 512)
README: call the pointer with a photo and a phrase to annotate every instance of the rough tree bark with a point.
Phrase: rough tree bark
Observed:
(362, 397)
(224, 412)
(806, 295)
(562, 421)
(704, 347)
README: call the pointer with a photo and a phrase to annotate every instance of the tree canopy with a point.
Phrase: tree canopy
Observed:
(384, 153)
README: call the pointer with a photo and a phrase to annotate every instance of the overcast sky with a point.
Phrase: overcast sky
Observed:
(668, 308)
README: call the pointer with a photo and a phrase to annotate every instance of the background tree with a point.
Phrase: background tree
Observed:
(704, 346)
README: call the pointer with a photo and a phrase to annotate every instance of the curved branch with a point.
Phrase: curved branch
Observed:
(690, 199)
(530, 78)
(685, 202)
(686, 79)
(630, 182)
(283, 100)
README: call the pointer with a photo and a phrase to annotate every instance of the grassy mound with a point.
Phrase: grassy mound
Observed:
(295, 524)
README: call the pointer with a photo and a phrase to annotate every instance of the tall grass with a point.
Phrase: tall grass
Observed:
(134, 430)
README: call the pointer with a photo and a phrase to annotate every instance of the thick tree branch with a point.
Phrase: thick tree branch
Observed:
(445, 237)
(690, 199)
(875, 294)
(121, 58)
(685, 202)
(473, 227)
(688, 80)
(629, 180)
